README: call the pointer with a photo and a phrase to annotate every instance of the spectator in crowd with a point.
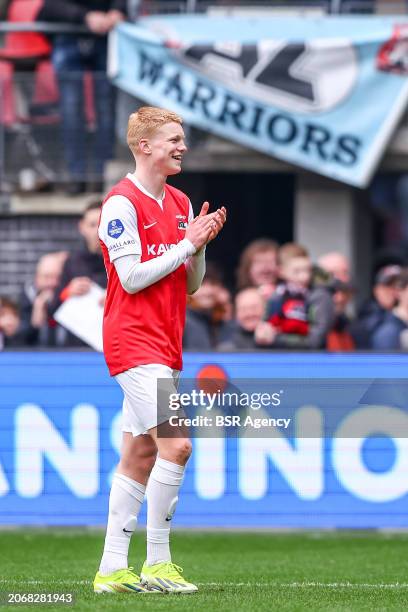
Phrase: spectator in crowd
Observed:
(258, 266)
(337, 265)
(23, 49)
(339, 337)
(37, 327)
(209, 314)
(9, 323)
(299, 314)
(372, 314)
(26, 93)
(83, 267)
(286, 309)
(249, 310)
(392, 332)
(72, 56)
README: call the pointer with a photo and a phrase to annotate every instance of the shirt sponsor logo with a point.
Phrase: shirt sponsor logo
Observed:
(117, 246)
(115, 228)
(159, 249)
(181, 217)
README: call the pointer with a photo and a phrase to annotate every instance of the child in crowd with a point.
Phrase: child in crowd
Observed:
(286, 309)
(299, 314)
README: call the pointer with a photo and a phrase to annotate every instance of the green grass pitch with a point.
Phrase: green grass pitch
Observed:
(234, 570)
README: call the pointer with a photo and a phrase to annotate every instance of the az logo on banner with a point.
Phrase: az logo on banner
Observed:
(292, 76)
(300, 90)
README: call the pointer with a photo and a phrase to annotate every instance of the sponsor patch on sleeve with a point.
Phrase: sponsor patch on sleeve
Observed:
(115, 228)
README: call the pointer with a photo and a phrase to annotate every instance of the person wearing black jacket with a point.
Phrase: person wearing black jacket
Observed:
(37, 328)
(209, 313)
(82, 267)
(374, 312)
(249, 310)
(392, 333)
(72, 55)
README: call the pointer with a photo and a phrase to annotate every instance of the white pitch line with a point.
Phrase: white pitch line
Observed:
(293, 585)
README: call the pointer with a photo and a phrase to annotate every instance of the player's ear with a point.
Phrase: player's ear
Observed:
(144, 146)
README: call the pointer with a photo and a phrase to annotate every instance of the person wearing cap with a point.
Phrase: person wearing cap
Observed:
(392, 334)
(372, 314)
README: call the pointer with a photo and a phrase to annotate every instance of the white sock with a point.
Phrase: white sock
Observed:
(162, 491)
(125, 500)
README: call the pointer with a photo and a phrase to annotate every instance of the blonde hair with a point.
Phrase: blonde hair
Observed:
(144, 122)
(289, 251)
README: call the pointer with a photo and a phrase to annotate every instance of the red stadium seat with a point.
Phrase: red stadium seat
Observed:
(29, 88)
(7, 107)
(24, 45)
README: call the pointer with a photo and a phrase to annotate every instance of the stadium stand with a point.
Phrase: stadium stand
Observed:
(24, 239)
(34, 155)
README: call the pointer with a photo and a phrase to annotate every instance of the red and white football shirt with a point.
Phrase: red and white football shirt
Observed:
(145, 327)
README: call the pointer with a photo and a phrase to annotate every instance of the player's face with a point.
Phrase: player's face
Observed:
(167, 148)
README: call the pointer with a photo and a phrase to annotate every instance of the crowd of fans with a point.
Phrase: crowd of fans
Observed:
(282, 301)
(82, 98)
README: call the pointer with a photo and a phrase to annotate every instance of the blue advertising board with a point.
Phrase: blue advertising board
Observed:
(60, 436)
(322, 93)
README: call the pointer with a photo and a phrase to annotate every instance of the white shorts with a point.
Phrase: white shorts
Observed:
(139, 386)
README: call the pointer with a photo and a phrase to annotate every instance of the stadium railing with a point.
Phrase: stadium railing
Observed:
(328, 6)
(32, 138)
